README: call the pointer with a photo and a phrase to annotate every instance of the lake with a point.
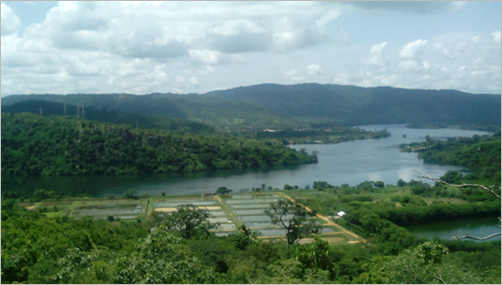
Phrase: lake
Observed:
(348, 162)
(478, 227)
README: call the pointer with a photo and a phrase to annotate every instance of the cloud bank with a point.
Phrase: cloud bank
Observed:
(143, 47)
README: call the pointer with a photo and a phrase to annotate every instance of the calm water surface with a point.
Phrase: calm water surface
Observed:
(348, 162)
(478, 227)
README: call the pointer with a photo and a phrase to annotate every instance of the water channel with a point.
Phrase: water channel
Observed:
(348, 162)
(478, 227)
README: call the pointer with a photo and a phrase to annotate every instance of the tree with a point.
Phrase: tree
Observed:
(243, 238)
(190, 221)
(223, 190)
(452, 177)
(420, 265)
(131, 194)
(314, 256)
(293, 218)
(490, 189)
(379, 184)
(159, 258)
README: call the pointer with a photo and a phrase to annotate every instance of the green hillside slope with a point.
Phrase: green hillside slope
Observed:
(273, 105)
(143, 121)
(218, 113)
(380, 105)
(37, 145)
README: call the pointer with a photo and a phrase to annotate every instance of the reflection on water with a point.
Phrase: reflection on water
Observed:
(478, 227)
(348, 162)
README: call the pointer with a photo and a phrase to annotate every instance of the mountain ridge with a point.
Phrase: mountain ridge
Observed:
(278, 105)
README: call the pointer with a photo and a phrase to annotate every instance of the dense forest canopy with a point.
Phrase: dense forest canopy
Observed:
(274, 105)
(481, 154)
(143, 121)
(62, 146)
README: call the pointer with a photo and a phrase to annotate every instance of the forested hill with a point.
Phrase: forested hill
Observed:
(37, 145)
(216, 112)
(143, 121)
(480, 154)
(273, 105)
(376, 105)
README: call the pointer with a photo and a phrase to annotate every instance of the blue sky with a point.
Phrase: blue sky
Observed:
(184, 47)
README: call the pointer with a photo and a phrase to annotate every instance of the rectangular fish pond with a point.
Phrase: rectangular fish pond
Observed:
(259, 225)
(219, 220)
(251, 206)
(177, 203)
(224, 234)
(107, 212)
(251, 201)
(225, 227)
(256, 196)
(249, 212)
(282, 232)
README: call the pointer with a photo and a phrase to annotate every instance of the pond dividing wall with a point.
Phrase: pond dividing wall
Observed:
(228, 212)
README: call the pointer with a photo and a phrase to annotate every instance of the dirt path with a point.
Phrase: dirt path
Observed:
(330, 223)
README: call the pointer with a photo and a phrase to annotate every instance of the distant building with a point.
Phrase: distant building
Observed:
(341, 213)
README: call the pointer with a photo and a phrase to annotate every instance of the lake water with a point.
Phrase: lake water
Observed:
(478, 227)
(348, 162)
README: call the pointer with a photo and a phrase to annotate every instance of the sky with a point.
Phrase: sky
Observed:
(194, 47)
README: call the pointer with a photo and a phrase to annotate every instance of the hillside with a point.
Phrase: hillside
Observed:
(380, 105)
(143, 121)
(61, 146)
(218, 113)
(277, 106)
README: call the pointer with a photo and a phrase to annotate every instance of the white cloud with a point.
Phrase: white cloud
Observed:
(326, 18)
(418, 7)
(210, 69)
(165, 46)
(237, 27)
(314, 69)
(377, 49)
(193, 80)
(375, 57)
(496, 36)
(414, 48)
(293, 75)
(10, 22)
(410, 66)
(211, 57)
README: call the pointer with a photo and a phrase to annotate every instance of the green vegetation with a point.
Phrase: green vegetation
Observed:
(217, 113)
(189, 220)
(59, 146)
(37, 248)
(332, 134)
(42, 248)
(46, 245)
(378, 105)
(135, 120)
(293, 218)
(291, 106)
(480, 154)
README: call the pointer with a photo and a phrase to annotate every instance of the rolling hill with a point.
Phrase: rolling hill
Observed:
(378, 105)
(136, 120)
(275, 106)
(216, 112)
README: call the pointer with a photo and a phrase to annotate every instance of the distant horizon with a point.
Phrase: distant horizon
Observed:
(194, 93)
